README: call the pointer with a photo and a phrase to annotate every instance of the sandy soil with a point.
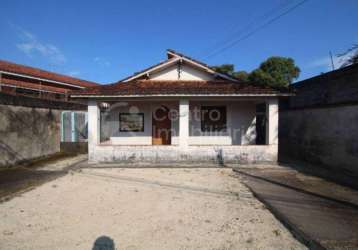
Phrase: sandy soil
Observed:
(142, 209)
(23, 178)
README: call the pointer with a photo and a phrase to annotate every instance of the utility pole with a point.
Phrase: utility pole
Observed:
(330, 54)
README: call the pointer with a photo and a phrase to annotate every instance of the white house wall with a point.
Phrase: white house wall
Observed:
(110, 125)
(241, 125)
(186, 73)
(241, 128)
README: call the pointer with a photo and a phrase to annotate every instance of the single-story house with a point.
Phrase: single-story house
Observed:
(182, 111)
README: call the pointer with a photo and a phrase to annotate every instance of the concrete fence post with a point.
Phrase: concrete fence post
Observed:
(93, 127)
(272, 122)
(73, 127)
(63, 126)
(183, 123)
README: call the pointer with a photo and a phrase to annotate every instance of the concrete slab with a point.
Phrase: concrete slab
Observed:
(320, 213)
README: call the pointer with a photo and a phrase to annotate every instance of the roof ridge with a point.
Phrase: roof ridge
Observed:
(175, 56)
(179, 80)
(179, 54)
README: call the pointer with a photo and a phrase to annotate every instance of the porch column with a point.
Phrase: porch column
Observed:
(93, 126)
(183, 122)
(272, 121)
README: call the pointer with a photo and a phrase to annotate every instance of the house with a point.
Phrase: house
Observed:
(181, 111)
(16, 79)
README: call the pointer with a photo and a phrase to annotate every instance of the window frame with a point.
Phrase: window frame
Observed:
(135, 130)
(206, 128)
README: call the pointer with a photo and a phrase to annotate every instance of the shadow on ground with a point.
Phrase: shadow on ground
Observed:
(104, 243)
(340, 176)
(319, 213)
(30, 175)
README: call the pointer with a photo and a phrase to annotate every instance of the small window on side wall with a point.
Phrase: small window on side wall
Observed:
(213, 118)
(131, 122)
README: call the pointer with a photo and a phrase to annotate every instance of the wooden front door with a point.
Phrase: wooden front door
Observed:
(161, 125)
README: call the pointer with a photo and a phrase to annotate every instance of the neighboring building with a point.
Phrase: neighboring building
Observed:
(18, 79)
(181, 111)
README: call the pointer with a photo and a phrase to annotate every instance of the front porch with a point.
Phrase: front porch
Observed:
(132, 131)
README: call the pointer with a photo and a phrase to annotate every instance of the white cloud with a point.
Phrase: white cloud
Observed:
(325, 62)
(102, 62)
(74, 73)
(31, 46)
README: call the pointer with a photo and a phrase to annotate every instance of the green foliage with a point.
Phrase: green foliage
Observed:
(275, 71)
(224, 69)
(278, 71)
(261, 77)
(241, 75)
(229, 69)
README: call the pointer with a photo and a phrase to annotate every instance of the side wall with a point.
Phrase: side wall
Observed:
(320, 124)
(29, 128)
(27, 133)
(325, 136)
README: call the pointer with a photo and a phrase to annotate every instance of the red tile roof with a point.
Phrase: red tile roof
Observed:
(165, 87)
(29, 85)
(34, 72)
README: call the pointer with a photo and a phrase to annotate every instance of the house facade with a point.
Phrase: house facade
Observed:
(181, 111)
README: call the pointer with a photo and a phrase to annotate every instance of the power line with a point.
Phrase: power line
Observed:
(245, 28)
(257, 29)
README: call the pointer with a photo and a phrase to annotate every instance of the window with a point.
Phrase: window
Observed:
(213, 118)
(131, 122)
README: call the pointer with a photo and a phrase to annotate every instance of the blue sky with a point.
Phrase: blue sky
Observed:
(105, 41)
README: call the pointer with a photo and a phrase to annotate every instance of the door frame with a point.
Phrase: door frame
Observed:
(154, 122)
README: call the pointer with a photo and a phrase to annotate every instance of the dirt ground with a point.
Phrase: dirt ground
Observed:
(22, 178)
(197, 208)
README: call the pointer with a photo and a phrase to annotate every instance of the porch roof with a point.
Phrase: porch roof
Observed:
(180, 88)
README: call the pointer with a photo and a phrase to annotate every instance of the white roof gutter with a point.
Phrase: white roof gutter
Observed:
(41, 79)
(152, 69)
(180, 95)
(38, 90)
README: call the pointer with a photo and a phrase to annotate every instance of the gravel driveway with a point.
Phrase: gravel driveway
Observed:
(203, 208)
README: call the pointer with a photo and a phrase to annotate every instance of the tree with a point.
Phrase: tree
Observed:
(276, 72)
(261, 77)
(224, 69)
(241, 75)
(229, 69)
